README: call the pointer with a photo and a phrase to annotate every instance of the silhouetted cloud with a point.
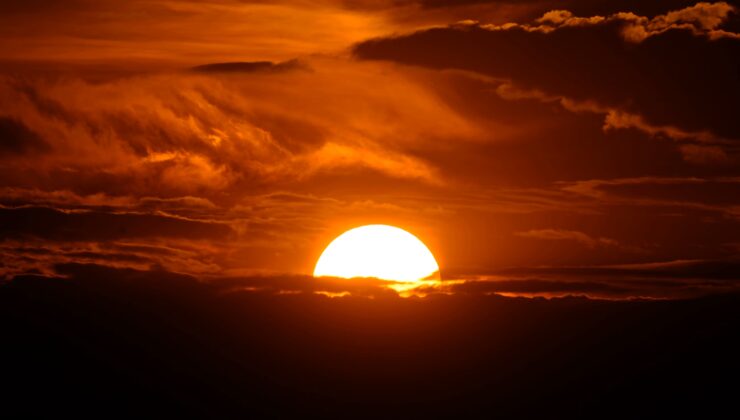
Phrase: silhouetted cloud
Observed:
(583, 6)
(248, 67)
(57, 225)
(595, 58)
(717, 195)
(536, 287)
(658, 280)
(680, 269)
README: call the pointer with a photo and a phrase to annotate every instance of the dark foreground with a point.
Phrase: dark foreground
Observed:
(123, 343)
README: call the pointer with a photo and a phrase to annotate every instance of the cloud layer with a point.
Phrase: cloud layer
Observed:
(618, 61)
(530, 145)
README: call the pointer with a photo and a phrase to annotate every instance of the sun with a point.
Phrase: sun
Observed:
(381, 251)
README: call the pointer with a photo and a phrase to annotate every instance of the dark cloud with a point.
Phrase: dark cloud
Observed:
(526, 8)
(722, 192)
(584, 6)
(607, 7)
(724, 270)
(16, 138)
(249, 67)
(266, 284)
(47, 223)
(568, 235)
(653, 280)
(544, 287)
(704, 194)
(666, 77)
(36, 6)
(306, 284)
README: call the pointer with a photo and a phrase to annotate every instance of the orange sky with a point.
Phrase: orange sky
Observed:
(591, 150)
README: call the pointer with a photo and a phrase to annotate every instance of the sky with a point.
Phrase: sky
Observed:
(171, 171)
(539, 147)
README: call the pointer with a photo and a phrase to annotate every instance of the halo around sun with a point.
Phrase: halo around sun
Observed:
(381, 251)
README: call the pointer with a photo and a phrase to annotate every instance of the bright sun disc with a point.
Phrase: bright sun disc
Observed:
(381, 251)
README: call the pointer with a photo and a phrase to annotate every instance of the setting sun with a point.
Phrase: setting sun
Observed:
(380, 251)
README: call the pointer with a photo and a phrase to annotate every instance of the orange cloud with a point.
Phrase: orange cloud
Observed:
(162, 32)
(186, 132)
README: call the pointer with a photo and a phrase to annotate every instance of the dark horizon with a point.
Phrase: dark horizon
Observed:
(123, 342)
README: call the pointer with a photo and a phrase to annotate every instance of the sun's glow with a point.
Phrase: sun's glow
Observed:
(380, 251)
